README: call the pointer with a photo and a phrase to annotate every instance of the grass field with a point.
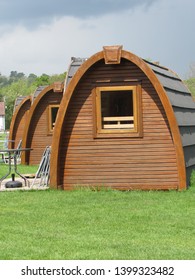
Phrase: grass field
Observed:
(85, 224)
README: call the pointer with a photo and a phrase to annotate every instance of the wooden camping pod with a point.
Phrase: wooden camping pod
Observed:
(19, 119)
(39, 127)
(154, 148)
(20, 114)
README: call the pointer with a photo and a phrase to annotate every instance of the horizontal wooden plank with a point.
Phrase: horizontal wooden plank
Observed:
(119, 162)
(134, 142)
(118, 173)
(124, 187)
(124, 118)
(120, 147)
(117, 146)
(109, 180)
(118, 126)
(133, 164)
(121, 152)
(108, 158)
(129, 167)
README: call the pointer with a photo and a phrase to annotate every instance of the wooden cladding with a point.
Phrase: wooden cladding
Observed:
(139, 155)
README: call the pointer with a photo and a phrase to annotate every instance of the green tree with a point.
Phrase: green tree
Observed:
(192, 70)
(15, 76)
(190, 82)
(10, 92)
(57, 78)
(17, 84)
(31, 79)
(3, 81)
(43, 80)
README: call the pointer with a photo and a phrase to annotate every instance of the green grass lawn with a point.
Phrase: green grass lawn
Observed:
(85, 224)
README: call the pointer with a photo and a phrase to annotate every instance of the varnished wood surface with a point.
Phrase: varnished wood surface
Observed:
(154, 161)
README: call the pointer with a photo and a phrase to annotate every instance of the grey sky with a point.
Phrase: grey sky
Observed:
(32, 13)
(41, 36)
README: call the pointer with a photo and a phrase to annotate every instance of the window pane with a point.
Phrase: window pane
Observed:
(117, 103)
(117, 109)
(54, 111)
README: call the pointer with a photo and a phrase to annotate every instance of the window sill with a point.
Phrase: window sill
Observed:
(118, 134)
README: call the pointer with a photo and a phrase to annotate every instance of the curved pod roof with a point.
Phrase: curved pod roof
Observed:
(75, 64)
(167, 85)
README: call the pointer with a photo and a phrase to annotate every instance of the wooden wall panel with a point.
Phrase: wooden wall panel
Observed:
(124, 163)
(38, 136)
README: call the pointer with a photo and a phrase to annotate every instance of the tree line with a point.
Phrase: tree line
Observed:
(18, 84)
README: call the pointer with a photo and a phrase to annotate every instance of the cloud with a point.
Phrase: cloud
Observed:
(33, 13)
(157, 33)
